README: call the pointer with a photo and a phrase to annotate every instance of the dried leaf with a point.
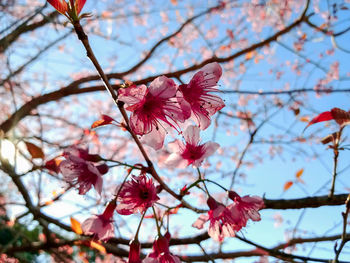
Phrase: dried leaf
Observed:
(35, 151)
(175, 210)
(53, 165)
(287, 185)
(342, 117)
(76, 226)
(304, 119)
(98, 246)
(299, 173)
(250, 55)
(330, 138)
(105, 120)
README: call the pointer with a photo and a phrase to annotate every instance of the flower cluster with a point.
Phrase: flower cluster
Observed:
(163, 104)
(226, 221)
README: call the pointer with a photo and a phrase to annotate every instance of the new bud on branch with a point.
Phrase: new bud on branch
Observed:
(70, 9)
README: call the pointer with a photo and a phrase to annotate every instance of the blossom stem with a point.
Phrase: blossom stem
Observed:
(155, 217)
(213, 182)
(203, 181)
(120, 188)
(335, 161)
(139, 226)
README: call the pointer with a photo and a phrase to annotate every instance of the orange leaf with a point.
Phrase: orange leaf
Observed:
(304, 119)
(98, 246)
(174, 2)
(250, 54)
(105, 119)
(76, 226)
(35, 151)
(299, 173)
(175, 210)
(287, 185)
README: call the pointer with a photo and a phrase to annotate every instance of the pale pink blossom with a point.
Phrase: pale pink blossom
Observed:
(136, 194)
(192, 152)
(79, 168)
(154, 107)
(101, 226)
(246, 207)
(222, 224)
(198, 94)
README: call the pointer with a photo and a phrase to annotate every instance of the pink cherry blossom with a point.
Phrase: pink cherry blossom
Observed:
(137, 194)
(247, 207)
(197, 94)
(222, 222)
(154, 107)
(161, 253)
(101, 226)
(78, 168)
(226, 221)
(192, 152)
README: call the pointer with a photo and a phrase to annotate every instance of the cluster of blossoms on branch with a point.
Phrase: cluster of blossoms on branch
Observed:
(164, 104)
(155, 109)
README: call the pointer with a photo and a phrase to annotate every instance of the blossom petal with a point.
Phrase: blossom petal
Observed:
(191, 135)
(163, 87)
(132, 95)
(155, 138)
(210, 148)
(199, 223)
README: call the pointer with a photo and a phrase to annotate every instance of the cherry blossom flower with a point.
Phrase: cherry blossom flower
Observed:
(247, 207)
(192, 152)
(78, 168)
(197, 94)
(161, 253)
(101, 226)
(154, 107)
(134, 252)
(226, 221)
(223, 223)
(137, 194)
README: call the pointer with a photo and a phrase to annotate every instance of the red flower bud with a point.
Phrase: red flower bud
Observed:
(134, 253)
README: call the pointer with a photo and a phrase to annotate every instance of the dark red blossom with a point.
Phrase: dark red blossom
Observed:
(134, 252)
(136, 195)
